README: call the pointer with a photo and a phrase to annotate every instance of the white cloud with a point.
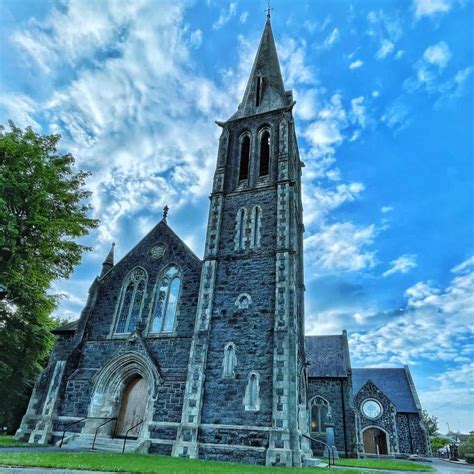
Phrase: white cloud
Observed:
(294, 68)
(358, 111)
(386, 209)
(356, 64)
(435, 324)
(225, 16)
(332, 38)
(196, 38)
(340, 247)
(402, 264)
(438, 54)
(432, 7)
(385, 49)
(21, 109)
(243, 17)
(464, 267)
(398, 115)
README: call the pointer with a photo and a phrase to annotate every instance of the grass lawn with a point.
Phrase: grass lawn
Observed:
(134, 463)
(11, 442)
(391, 464)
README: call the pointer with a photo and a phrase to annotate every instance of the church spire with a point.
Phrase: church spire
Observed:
(265, 90)
(108, 262)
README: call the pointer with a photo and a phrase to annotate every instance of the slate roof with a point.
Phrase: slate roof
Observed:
(393, 383)
(327, 356)
(67, 327)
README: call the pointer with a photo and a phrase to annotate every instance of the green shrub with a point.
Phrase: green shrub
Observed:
(439, 442)
(467, 448)
(470, 458)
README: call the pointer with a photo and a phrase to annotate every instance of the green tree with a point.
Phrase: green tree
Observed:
(43, 210)
(430, 422)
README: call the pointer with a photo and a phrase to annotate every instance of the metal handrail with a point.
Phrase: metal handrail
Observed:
(330, 449)
(100, 426)
(126, 434)
(67, 426)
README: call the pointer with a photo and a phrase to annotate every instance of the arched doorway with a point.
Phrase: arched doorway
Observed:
(375, 441)
(132, 407)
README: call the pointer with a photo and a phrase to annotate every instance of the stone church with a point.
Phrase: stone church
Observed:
(208, 358)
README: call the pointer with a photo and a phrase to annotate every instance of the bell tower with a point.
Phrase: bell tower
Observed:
(245, 390)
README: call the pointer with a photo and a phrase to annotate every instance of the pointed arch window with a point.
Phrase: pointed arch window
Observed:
(230, 360)
(252, 392)
(131, 301)
(264, 153)
(256, 225)
(244, 158)
(166, 302)
(320, 411)
(240, 228)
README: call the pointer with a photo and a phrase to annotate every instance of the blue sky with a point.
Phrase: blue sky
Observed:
(384, 117)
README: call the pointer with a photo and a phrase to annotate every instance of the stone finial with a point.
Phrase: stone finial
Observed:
(108, 262)
(165, 212)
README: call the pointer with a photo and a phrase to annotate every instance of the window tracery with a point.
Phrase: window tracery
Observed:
(255, 227)
(131, 301)
(240, 229)
(320, 414)
(166, 302)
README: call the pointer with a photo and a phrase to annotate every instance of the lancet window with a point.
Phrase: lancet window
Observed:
(131, 301)
(230, 360)
(255, 227)
(252, 392)
(320, 411)
(166, 302)
(240, 229)
(264, 153)
(244, 158)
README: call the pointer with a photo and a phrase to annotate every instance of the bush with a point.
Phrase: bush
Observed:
(439, 442)
(470, 458)
(467, 449)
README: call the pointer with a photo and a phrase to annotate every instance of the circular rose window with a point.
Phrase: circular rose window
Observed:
(371, 409)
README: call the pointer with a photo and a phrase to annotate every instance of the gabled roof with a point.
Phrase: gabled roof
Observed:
(69, 327)
(327, 356)
(393, 382)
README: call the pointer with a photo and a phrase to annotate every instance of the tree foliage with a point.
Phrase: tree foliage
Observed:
(43, 210)
(430, 422)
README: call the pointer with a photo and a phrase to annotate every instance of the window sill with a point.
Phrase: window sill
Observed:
(161, 335)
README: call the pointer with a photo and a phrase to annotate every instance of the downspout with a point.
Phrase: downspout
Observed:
(343, 416)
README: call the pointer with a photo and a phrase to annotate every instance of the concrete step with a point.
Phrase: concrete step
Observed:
(101, 443)
(314, 462)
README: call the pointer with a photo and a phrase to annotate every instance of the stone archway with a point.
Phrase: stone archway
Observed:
(114, 382)
(375, 441)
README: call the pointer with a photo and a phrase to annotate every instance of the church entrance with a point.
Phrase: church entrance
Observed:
(375, 441)
(132, 408)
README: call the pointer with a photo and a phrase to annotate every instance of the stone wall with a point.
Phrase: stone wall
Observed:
(344, 429)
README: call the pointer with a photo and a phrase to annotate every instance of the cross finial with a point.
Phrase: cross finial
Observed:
(165, 212)
(268, 10)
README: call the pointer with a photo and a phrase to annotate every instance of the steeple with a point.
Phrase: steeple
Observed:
(108, 262)
(265, 90)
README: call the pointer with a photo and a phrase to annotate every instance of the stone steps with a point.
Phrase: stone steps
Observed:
(102, 444)
(314, 462)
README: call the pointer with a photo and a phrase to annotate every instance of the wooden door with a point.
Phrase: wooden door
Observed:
(132, 407)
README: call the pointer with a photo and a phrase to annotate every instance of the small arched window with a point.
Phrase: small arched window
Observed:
(320, 410)
(252, 392)
(240, 228)
(244, 158)
(230, 360)
(131, 301)
(256, 225)
(166, 302)
(264, 153)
